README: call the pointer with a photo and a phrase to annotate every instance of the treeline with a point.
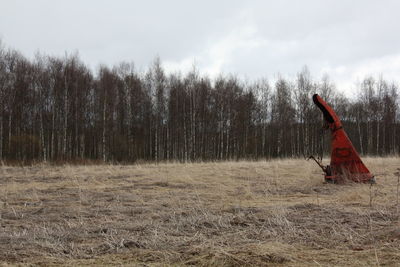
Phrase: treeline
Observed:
(56, 109)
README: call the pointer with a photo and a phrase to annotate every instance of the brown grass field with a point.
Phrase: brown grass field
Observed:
(233, 213)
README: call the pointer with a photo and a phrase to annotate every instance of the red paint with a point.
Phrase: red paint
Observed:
(345, 164)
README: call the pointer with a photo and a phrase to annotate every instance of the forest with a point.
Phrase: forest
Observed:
(58, 109)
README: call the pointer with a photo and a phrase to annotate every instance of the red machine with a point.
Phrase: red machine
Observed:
(345, 161)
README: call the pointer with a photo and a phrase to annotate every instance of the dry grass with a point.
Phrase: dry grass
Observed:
(233, 213)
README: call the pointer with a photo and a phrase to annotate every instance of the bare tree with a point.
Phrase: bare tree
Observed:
(55, 108)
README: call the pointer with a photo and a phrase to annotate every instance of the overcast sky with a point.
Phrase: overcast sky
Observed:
(345, 39)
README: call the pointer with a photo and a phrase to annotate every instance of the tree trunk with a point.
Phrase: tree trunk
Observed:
(42, 140)
(65, 121)
(369, 136)
(52, 133)
(377, 137)
(9, 132)
(1, 137)
(76, 137)
(103, 139)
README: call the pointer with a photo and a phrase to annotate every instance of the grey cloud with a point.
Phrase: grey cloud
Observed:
(251, 38)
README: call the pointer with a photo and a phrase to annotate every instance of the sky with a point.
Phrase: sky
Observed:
(347, 40)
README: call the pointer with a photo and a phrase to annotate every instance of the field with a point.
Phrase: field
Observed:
(233, 213)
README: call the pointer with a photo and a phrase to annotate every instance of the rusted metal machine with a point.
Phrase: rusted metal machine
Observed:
(346, 164)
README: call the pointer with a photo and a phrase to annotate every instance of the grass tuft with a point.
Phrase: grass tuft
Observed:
(205, 214)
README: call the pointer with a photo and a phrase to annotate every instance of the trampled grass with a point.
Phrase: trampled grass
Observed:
(233, 213)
